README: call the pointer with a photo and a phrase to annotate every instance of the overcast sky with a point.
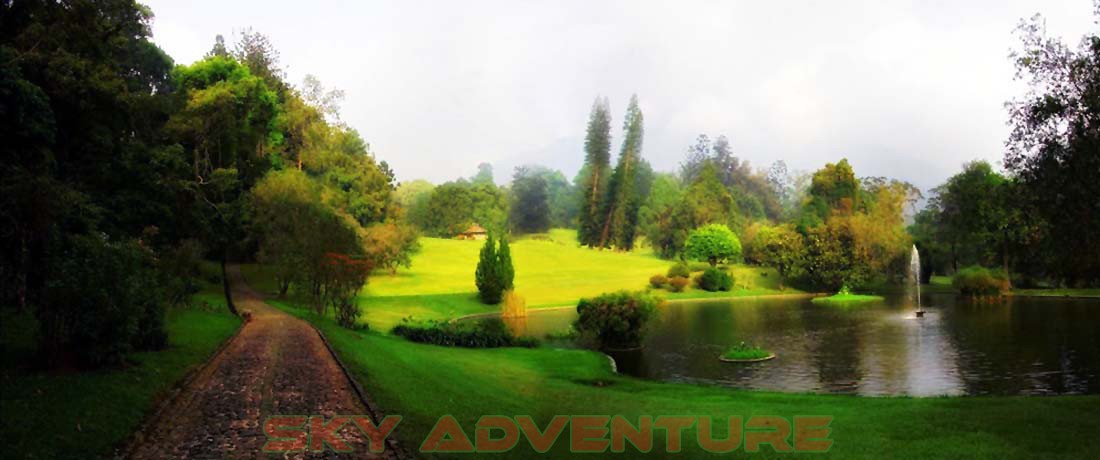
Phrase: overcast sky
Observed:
(903, 89)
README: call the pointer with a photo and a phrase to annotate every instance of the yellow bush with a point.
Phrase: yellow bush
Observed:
(514, 305)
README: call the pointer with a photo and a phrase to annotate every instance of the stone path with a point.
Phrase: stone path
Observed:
(276, 365)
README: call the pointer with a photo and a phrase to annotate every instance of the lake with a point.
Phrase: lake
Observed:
(1014, 346)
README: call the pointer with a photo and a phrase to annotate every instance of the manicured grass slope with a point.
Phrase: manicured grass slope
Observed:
(551, 270)
(86, 414)
(422, 383)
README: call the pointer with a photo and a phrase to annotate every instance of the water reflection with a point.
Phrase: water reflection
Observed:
(1016, 346)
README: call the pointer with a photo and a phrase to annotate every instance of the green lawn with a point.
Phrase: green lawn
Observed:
(87, 414)
(424, 382)
(551, 270)
(847, 299)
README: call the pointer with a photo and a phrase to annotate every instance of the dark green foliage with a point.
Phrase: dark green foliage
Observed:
(619, 209)
(716, 279)
(754, 196)
(103, 301)
(530, 211)
(454, 206)
(495, 273)
(597, 161)
(486, 333)
(679, 269)
(616, 320)
(658, 281)
(980, 281)
(1054, 150)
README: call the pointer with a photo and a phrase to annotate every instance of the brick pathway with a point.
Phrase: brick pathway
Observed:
(277, 365)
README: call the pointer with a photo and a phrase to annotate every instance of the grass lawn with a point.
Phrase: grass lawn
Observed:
(424, 382)
(847, 299)
(551, 270)
(87, 414)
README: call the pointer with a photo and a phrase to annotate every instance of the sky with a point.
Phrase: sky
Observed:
(903, 89)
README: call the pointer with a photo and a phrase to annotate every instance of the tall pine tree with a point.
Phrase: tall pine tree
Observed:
(597, 161)
(618, 209)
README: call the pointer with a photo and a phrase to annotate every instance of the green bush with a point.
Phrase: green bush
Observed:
(495, 273)
(715, 279)
(678, 283)
(713, 243)
(616, 320)
(658, 281)
(103, 300)
(980, 281)
(486, 333)
(680, 269)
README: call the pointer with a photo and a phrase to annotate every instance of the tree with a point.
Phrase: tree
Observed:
(780, 247)
(530, 210)
(597, 158)
(754, 195)
(283, 202)
(970, 216)
(412, 197)
(504, 266)
(219, 49)
(391, 244)
(494, 273)
(343, 277)
(1053, 147)
(713, 243)
(618, 212)
(656, 219)
(449, 210)
(225, 121)
(833, 190)
(484, 175)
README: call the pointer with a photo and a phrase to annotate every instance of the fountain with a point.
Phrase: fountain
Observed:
(914, 272)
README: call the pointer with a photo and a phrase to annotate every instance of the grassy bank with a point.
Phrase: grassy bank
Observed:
(68, 414)
(551, 270)
(423, 382)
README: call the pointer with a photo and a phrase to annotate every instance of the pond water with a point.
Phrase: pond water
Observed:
(960, 347)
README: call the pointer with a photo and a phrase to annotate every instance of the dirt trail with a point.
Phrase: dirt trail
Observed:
(276, 365)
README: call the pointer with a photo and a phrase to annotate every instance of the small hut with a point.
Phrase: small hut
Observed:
(475, 232)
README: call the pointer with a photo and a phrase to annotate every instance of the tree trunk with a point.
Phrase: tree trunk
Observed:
(1004, 259)
(225, 287)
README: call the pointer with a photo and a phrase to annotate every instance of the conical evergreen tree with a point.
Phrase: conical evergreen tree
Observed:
(618, 211)
(487, 275)
(506, 271)
(597, 159)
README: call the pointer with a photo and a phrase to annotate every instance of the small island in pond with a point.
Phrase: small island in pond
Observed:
(743, 353)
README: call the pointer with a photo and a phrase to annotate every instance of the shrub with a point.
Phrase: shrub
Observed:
(677, 283)
(486, 333)
(715, 279)
(977, 281)
(616, 320)
(514, 305)
(680, 269)
(712, 243)
(658, 281)
(103, 299)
